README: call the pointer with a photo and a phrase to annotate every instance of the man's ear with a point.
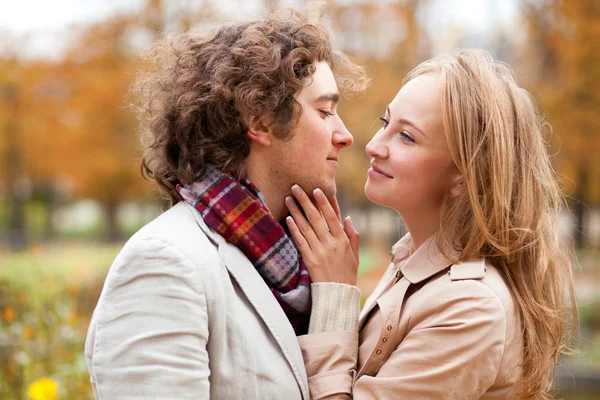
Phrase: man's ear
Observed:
(260, 130)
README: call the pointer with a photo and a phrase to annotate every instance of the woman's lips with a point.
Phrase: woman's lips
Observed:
(375, 172)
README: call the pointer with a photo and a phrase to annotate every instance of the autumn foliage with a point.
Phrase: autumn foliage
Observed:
(67, 130)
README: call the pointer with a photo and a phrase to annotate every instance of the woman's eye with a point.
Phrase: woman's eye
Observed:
(384, 122)
(404, 137)
(326, 113)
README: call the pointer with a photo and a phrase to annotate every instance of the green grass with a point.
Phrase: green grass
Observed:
(59, 262)
(47, 296)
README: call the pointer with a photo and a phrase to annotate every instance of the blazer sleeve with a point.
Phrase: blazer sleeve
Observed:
(150, 329)
(453, 350)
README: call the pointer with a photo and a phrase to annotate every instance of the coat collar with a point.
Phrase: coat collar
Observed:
(260, 297)
(425, 262)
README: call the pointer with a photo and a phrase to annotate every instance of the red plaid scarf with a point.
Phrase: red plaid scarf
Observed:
(237, 211)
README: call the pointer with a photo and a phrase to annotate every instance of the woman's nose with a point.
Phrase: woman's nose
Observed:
(376, 146)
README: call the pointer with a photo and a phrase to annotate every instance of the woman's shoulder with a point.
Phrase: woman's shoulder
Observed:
(496, 282)
(476, 283)
(482, 274)
(485, 279)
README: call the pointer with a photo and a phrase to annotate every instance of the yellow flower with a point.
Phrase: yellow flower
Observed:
(23, 300)
(73, 318)
(72, 287)
(9, 314)
(28, 332)
(43, 389)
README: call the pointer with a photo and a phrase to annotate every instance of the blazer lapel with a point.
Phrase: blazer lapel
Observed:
(260, 297)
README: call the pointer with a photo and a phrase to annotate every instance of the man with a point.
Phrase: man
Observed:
(206, 300)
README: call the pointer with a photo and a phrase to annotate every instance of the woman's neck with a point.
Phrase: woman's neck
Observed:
(421, 225)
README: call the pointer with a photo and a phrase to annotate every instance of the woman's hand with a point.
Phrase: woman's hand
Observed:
(329, 250)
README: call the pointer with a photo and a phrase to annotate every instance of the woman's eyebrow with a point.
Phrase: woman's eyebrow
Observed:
(405, 122)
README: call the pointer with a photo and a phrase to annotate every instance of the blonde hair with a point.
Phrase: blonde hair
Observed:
(506, 206)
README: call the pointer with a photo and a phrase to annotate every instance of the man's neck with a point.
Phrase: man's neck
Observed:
(274, 196)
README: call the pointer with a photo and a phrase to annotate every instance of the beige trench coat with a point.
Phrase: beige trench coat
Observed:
(428, 331)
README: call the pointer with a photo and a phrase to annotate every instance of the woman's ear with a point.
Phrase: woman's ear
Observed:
(260, 130)
(458, 185)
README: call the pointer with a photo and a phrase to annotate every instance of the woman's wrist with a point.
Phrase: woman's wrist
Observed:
(335, 307)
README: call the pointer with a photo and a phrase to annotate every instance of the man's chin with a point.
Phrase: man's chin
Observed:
(329, 190)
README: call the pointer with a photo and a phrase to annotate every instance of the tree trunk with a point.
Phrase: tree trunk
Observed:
(50, 201)
(580, 206)
(16, 228)
(111, 229)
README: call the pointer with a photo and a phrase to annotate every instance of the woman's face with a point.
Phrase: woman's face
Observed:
(411, 168)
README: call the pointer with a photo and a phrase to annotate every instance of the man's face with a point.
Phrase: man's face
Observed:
(310, 157)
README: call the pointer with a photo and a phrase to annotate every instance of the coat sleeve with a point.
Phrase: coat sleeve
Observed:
(149, 331)
(453, 351)
(330, 359)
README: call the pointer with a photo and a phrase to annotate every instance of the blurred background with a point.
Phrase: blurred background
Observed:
(71, 193)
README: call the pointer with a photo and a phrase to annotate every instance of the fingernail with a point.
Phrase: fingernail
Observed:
(288, 200)
(296, 189)
(318, 192)
(349, 219)
(288, 220)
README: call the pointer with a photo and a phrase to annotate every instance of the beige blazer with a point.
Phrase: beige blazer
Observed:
(428, 331)
(184, 315)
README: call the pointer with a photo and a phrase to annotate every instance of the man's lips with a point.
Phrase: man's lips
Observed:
(377, 172)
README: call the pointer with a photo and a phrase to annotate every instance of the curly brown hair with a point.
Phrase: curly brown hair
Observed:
(199, 91)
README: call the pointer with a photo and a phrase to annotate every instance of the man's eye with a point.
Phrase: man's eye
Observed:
(384, 122)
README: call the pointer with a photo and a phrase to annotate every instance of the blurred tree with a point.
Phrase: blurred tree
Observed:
(271, 5)
(12, 155)
(80, 140)
(104, 138)
(44, 132)
(103, 146)
(565, 47)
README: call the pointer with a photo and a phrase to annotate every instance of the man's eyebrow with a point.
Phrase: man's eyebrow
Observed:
(405, 122)
(335, 97)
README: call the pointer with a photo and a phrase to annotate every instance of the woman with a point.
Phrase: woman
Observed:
(473, 303)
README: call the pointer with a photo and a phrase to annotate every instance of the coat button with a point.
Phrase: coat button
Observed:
(389, 328)
(378, 352)
(384, 339)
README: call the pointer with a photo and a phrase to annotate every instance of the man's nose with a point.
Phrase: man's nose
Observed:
(342, 136)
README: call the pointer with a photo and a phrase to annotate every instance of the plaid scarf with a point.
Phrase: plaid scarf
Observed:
(238, 212)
